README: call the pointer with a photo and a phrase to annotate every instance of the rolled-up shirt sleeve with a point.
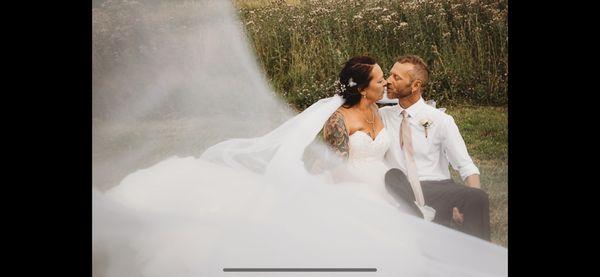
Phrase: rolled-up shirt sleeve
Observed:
(456, 150)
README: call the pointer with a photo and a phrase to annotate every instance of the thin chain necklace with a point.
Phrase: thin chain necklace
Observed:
(372, 122)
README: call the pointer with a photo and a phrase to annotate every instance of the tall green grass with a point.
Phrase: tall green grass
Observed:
(302, 44)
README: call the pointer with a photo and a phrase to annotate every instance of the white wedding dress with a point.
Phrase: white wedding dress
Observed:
(195, 217)
(185, 78)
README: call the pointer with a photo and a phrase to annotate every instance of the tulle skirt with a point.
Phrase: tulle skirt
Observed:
(190, 217)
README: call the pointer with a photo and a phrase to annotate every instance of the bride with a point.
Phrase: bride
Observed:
(284, 200)
(355, 131)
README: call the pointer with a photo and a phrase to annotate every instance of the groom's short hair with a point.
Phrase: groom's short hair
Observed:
(421, 70)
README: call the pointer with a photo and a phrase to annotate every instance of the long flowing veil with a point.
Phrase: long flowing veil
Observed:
(178, 78)
(172, 78)
(278, 154)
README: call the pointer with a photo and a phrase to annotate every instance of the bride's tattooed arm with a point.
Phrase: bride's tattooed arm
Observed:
(336, 135)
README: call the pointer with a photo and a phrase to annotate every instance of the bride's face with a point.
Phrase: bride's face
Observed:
(376, 87)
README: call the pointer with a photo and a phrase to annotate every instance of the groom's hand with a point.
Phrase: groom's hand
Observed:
(457, 216)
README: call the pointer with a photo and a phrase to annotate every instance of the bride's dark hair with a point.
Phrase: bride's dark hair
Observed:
(359, 70)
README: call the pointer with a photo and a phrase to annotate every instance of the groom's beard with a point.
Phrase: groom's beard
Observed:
(403, 95)
(394, 93)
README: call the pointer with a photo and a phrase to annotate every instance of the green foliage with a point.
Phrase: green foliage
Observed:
(303, 44)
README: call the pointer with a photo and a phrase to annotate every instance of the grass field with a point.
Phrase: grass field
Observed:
(302, 44)
(485, 131)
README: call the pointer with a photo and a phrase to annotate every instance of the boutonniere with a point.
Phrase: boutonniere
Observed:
(426, 123)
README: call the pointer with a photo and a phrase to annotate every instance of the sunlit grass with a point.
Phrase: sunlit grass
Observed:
(485, 131)
(302, 44)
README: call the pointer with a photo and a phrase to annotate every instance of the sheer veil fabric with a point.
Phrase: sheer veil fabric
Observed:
(198, 166)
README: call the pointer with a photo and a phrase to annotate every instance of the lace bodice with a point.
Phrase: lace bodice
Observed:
(364, 149)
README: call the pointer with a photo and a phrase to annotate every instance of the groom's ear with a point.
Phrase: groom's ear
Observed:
(417, 85)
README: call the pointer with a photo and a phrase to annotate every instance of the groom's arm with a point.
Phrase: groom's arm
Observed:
(457, 154)
(336, 135)
(473, 181)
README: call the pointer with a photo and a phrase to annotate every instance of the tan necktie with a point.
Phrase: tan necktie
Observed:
(411, 166)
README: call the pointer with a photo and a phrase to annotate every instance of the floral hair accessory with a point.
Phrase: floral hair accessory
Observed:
(351, 83)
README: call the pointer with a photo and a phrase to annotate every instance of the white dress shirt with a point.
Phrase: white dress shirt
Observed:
(443, 143)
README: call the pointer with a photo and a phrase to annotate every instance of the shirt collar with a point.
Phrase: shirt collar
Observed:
(414, 109)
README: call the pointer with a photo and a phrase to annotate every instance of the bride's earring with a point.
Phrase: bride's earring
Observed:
(364, 95)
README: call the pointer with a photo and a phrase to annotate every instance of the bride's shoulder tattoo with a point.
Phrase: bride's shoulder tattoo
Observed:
(336, 135)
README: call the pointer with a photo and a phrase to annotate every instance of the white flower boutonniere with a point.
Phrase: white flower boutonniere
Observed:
(426, 123)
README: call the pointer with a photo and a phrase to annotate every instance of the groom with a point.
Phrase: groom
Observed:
(425, 141)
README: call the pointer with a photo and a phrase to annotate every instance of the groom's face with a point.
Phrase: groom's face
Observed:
(399, 83)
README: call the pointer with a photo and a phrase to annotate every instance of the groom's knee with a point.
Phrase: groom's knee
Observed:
(396, 181)
(392, 175)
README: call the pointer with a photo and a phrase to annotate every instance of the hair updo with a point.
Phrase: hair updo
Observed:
(359, 70)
